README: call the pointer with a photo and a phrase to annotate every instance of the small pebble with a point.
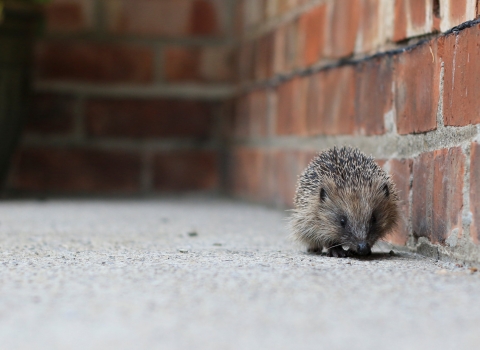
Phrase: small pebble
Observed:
(392, 253)
(193, 234)
(217, 244)
(183, 250)
(473, 269)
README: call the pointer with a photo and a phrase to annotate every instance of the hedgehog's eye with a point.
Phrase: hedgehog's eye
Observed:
(386, 190)
(373, 219)
(323, 195)
(343, 221)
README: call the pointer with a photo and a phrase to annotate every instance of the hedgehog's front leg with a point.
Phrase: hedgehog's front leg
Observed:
(338, 252)
(315, 249)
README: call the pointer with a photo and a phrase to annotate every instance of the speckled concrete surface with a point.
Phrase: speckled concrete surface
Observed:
(212, 274)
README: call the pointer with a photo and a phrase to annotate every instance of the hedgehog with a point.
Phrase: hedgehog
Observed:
(343, 199)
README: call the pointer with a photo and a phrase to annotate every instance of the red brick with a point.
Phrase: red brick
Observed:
(291, 45)
(246, 62)
(461, 99)
(371, 33)
(437, 194)
(417, 80)
(315, 100)
(449, 169)
(241, 122)
(291, 107)
(93, 62)
(264, 58)
(374, 95)
(72, 170)
(182, 64)
(247, 173)
(412, 18)
(343, 28)
(69, 15)
(287, 170)
(475, 192)
(459, 11)
(312, 34)
(205, 18)
(148, 118)
(51, 114)
(217, 64)
(280, 49)
(258, 113)
(422, 186)
(337, 110)
(167, 18)
(401, 170)
(185, 171)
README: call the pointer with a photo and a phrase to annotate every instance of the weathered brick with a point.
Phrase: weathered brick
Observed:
(241, 120)
(93, 62)
(455, 12)
(337, 115)
(422, 186)
(69, 15)
(312, 34)
(217, 64)
(343, 28)
(258, 113)
(371, 32)
(182, 64)
(449, 169)
(246, 62)
(291, 107)
(186, 170)
(287, 167)
(475, 191)
(51, 114)
(417, 80)
(291, 45)
(374, 97)
(168, 18)
(280, 49)
(437, 194)
(148, 118)
(72, 170)
(401, 170)
(461, 99)
(263, 58)
(412, 18)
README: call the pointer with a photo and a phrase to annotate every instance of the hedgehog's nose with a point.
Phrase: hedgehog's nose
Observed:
(363, 249)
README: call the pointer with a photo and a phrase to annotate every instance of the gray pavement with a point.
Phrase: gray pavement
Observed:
(199, 273)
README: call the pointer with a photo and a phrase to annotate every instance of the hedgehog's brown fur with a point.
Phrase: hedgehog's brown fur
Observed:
(343, 198)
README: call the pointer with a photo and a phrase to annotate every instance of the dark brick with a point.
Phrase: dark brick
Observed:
(417, 80)
(401, 170)
(461, 100)
(475, 191)
(148, 118)
(186, 171)
(264, 57)
(449, 169)
(437, 194)
(72, 170)
(422, 195)
(373, 95)
(93, 62)
(51, 114)
(182, 64)
(72, 16)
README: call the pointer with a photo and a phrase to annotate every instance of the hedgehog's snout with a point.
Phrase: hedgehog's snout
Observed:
(363, 248)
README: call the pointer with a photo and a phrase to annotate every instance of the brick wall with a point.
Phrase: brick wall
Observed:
(129, 97)
(396, 78)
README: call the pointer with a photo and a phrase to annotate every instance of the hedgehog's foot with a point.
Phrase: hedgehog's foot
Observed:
(315, 249)
(338, 252)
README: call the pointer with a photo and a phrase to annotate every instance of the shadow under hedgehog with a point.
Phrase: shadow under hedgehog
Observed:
(343, 198)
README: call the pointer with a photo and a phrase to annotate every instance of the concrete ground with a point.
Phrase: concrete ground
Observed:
(212, 274)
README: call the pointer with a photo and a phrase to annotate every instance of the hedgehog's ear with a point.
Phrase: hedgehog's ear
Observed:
(386, 190)
(323, 195)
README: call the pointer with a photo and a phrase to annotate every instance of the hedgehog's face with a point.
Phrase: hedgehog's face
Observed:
(358, 217)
